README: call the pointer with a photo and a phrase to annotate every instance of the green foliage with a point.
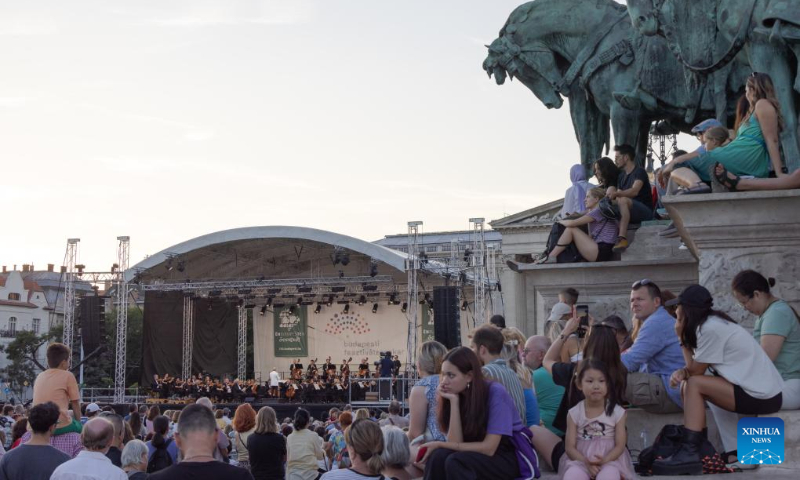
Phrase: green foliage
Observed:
(21, 354)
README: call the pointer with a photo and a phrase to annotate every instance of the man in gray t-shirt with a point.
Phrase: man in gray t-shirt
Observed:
(35, 460)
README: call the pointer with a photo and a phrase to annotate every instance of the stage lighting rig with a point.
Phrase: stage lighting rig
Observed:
(318, 309)
(346, 308)
(373, 268)
(404, 307)
(263, 311)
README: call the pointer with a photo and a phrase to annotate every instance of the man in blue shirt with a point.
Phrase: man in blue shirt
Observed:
(654, 355)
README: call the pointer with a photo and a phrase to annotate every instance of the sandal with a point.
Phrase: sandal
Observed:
(542, 259)
(697, 189)
(724, 178)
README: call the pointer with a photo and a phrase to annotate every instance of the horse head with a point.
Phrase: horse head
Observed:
(534, 65)
(644, 15)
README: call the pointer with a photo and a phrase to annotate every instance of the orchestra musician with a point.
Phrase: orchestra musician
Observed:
(274, 383)
(296, 369)
(396, 365)
(363, 367)
(312, 368)
(328, 369)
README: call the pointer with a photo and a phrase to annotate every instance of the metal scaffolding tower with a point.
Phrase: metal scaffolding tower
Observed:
(242, 345)
(188, 336)
(412, 309)
(478, 265)
(69, 292)
(123, 259)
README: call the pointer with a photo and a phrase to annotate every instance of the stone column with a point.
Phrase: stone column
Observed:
(731, 232)
(514, 295)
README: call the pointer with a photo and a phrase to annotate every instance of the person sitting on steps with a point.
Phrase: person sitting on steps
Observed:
(597, 244)
(633, 195)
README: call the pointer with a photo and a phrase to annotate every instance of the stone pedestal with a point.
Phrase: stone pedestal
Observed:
(731, 232)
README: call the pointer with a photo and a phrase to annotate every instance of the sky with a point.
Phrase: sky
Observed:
(169, 120)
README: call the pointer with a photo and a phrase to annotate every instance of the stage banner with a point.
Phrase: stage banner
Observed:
(427, 324)
(291, 331)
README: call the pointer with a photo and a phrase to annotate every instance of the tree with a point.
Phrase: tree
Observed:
(21, 353)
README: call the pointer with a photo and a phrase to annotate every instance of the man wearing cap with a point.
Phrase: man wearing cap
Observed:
(91, 411)
(560, 313)
(655, 353)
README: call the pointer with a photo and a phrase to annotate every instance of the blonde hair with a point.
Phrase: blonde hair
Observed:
(266, 421)
(512, 340)
(361, 414)
(366, 439)
(597, 192)
(430, 357)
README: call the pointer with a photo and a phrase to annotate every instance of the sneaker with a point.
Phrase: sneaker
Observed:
(622, 244)
(669, 232)
(683, 247)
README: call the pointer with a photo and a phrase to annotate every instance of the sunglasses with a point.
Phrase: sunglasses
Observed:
(642, 283)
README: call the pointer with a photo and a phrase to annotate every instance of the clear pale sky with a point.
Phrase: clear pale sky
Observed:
(169, 120)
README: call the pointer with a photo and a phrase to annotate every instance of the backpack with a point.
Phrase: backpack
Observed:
(161, 458)
(667, 443)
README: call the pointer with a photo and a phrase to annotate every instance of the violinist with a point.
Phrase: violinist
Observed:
(363, 367)
(344, 368)
(328, 369)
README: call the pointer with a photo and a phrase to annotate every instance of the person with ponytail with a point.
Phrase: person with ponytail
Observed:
(777, 329)
(486, 438)
(160, 441)
(423, 399)
(304, 449)
(364, 440)
(744, 380)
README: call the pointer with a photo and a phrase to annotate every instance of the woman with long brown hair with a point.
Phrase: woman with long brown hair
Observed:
(244, 424)
(485, 436)
(754, 149)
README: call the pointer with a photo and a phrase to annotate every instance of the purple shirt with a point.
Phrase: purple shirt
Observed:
(503, 416)
(602, 230)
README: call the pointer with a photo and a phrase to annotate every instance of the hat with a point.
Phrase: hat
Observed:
(705, 125)
(559, 310)
(612, 321)
(92, 407)
(693, 296)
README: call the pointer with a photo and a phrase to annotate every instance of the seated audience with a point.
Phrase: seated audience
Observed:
(744, 381)
(486, 438)
(682, 171)
(756, 146)
(633, 195)
(559, 314)
(161, 451)
(620, 329)
(362, 413)
(512, 352)
(58, 385)
(36, 459)
(601, 344)
(734, 183)
(568, 296)
(576, 193)
(396, 454)
(596, 436)
(548, 394)
(394, 417)
(654, 355)
(304, 449)
(244, 424)
(267, 447)
(365, 445)
(423, 400)
(134, 460)
(197, 438)
(115, 451)
(595, 246)
(487, 343)
(777, 329)
(607, 173)
(92, 463)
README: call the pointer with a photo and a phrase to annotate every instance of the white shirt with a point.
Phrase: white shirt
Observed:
(88, 466)
(735, 355)
(274, 379)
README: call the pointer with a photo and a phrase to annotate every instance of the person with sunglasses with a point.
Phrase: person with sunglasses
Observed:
(655, 353)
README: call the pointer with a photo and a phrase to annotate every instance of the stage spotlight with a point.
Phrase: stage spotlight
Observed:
(269, 302)
(263, 310)
(423, 258)
(404, 307)
(181, 266)
(341, 273)
(330, 300)
(169, 265)
(299, 300)
(240, 303)
(426, 299)
(375, 308)
(318, 309)
(373, 269)
(467, 254)
(462, 277)
(464, 305)
(346, 308)
(344, 258)
(362, 300)
(291, 309)
(392, 299)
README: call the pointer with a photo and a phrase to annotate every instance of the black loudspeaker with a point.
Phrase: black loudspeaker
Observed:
(446, 316)
(92, 321)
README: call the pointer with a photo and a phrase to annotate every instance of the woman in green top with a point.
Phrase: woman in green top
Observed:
(777, 329)
(756, 144)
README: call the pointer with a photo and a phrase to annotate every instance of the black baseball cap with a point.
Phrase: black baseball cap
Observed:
(693, 296)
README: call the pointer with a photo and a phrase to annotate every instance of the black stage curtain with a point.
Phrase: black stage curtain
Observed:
(215, 336)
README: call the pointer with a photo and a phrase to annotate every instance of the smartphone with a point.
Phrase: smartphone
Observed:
(583, 314)
(421, 453)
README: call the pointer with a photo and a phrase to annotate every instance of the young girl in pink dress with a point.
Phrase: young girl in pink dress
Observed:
(596, 437)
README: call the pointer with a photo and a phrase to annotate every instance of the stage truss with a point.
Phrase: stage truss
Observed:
(412, 308)
(69, 293)
(242, 344)
(188, 336)
(478, 266)
(123, 258)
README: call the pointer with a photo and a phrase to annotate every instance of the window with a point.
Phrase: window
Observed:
(12, 326)
(431, 248)
(13, 296)
(35, 327)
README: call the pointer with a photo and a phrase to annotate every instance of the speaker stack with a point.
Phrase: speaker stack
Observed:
(446, 316)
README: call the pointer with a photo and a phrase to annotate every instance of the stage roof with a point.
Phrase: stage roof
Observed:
(269, 251)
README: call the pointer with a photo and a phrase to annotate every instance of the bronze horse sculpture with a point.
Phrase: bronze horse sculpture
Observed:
(589, 52)
(708, 36)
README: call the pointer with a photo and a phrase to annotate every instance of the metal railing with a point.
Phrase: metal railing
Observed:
(106, 395)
